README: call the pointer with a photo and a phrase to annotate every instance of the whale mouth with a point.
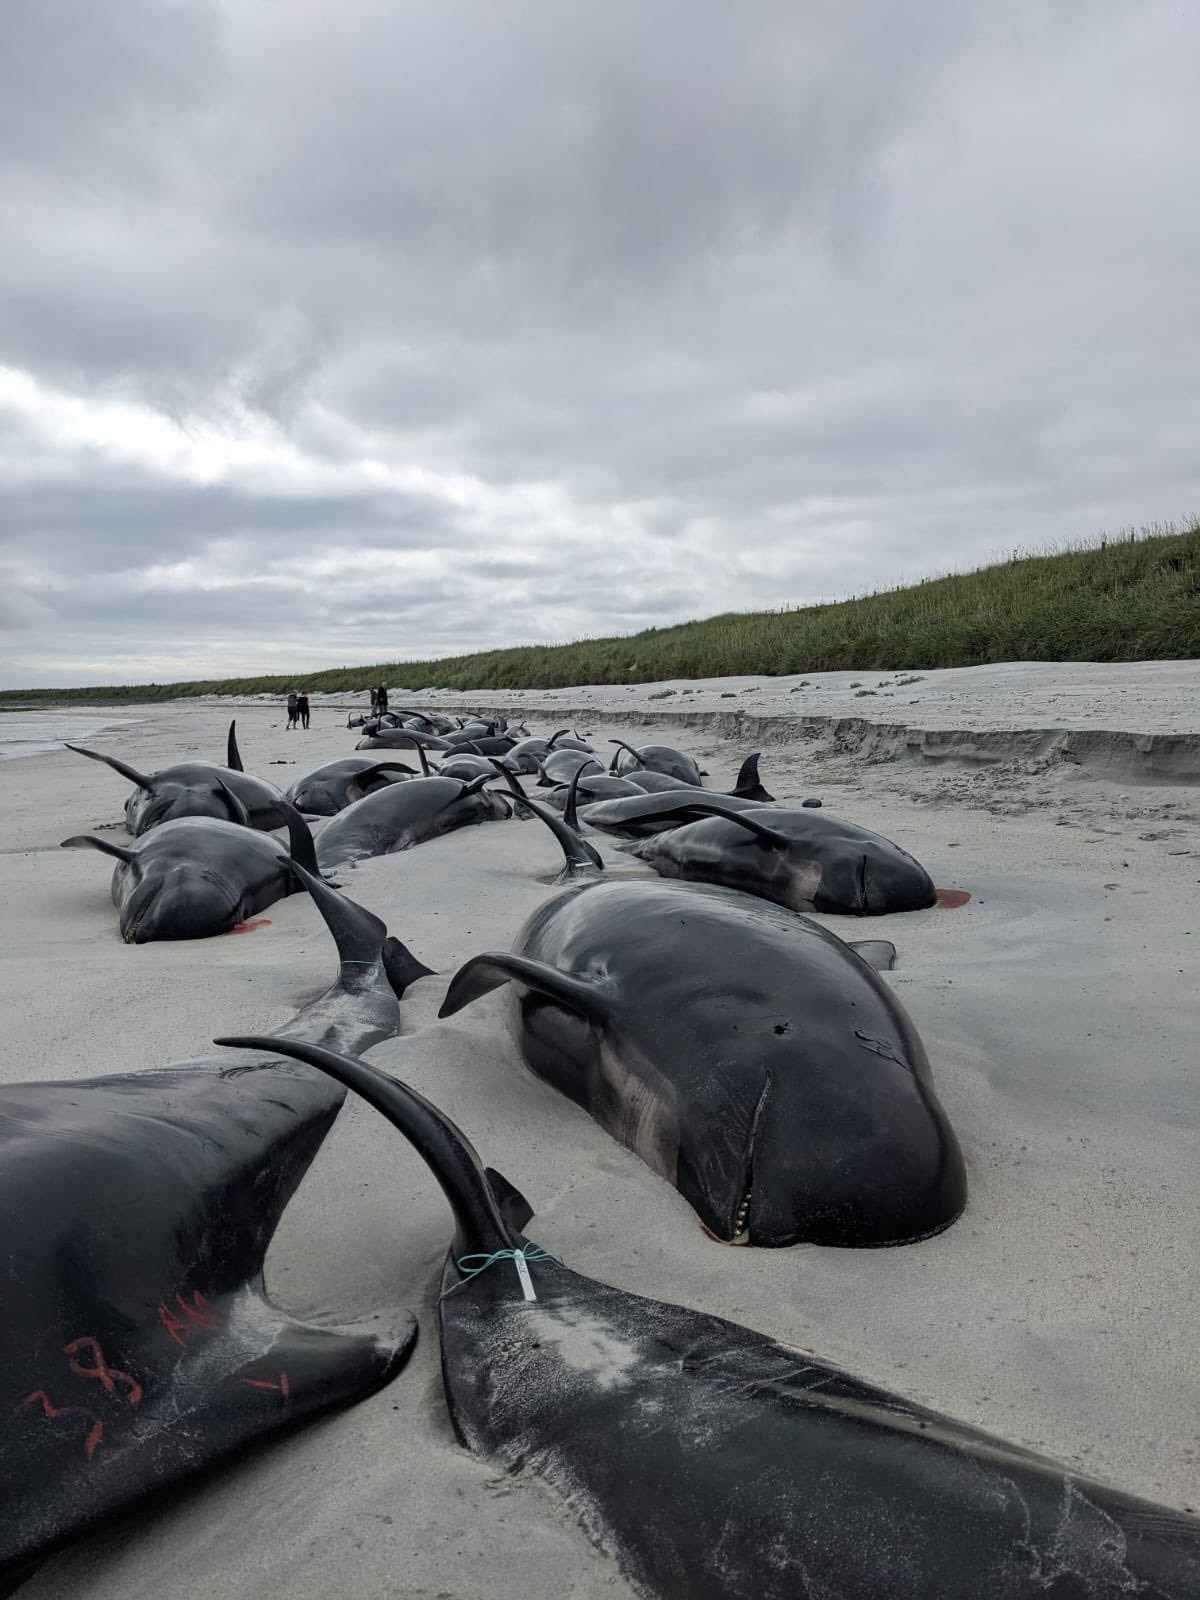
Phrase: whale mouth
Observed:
(740, 1228)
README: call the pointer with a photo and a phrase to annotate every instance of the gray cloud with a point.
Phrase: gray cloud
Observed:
(399, 328)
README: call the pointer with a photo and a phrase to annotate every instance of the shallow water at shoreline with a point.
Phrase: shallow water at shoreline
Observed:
(35, 732)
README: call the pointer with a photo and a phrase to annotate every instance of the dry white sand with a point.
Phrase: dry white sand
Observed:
(1059, 1009)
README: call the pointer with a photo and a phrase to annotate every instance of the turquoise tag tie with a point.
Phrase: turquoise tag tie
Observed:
(520, 1259)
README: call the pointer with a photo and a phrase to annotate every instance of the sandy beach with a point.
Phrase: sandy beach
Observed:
(1059, 1008)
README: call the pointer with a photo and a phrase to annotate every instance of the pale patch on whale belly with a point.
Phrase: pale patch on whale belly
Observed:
(639, 1115)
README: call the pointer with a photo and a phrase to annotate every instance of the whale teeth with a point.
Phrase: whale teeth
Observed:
(740, 1235)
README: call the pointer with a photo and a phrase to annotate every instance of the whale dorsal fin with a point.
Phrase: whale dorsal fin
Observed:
(581, 857)
(698, 810)
(571, 811)
(748, 786)
(126, 771)
(482, 1226)
(233, 756)
(301, 846)
(237, 811)
(484, 973)
(617, 754)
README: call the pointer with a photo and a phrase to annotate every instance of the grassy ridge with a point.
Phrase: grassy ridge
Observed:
(1129, 599)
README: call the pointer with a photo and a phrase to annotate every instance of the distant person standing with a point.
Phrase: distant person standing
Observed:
(374, 701)
(302, 706)
(381, 699)
(293, 709)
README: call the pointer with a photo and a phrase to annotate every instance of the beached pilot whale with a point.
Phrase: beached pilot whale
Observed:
(639, 815)
(405, 814)
(714, 1463)
(560, 766)
(803, 859)
(137, 1344)
(323, 791)
(405, 738)
(527, 755)
(195, 877)
(194, 789)
(747, 1055)
(663, 758)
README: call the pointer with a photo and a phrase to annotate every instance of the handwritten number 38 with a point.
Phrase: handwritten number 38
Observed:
(114, 1382)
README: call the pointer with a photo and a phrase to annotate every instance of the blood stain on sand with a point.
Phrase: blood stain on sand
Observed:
(248, 927)
(950, 899)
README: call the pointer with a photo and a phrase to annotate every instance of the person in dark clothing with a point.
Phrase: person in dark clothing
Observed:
(374, 701)
(381, 699)
(302, 705)
(293, 709)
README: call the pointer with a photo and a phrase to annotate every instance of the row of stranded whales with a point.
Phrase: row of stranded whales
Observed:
(595, 786)
(138, 1344)
(745, 1052)
(195, 789)
(196, 877)
(712, 1462)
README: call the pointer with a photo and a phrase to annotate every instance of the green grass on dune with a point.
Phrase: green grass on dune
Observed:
(1128, 599)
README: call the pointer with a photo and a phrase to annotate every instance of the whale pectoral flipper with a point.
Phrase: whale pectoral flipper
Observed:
(79, 840)
(484, 973)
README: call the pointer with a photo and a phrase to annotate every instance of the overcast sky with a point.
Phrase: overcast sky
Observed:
(336, 333)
